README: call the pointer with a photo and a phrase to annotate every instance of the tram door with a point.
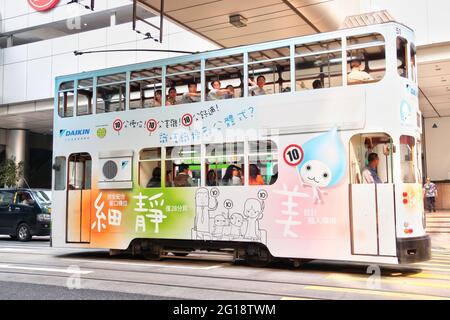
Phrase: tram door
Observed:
(79, 198)
(372, 206)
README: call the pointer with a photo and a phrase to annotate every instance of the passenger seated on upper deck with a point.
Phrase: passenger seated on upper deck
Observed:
(317, 84)
(257, 88)
(157, 101)
(357, 75)
(192, 95)
(172, 97)
(230, 94)
(216, 92)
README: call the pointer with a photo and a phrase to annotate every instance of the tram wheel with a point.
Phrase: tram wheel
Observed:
(258, 257)
(153, 254)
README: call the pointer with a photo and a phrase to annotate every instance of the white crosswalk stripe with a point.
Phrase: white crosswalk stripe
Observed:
(438, 222)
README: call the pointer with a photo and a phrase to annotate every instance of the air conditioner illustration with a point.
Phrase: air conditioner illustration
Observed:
(116, 170)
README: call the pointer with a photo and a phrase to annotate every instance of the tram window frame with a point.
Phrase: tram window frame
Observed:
(64, 110)
(232, 155)
(149, 163)
(60, 167)
(308, 54)
(229, 71)
(152, 77)
(85, 88)
(257, 156)
(410, 159)
(402, 57)
(360, 48)
(272, 64)
(361, 146)
(413, 62)
(107, 81)
(86, 180)
(175, 159)
(181, 76)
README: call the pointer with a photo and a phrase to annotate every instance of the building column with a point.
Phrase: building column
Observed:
(17, 148)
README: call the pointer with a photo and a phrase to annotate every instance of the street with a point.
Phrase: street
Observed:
(34, 270)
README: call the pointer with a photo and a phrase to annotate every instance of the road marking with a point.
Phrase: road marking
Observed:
(377, 293)
(67, 271)
(403, 281)
(146, 264)
(430, 276)
(434, 265)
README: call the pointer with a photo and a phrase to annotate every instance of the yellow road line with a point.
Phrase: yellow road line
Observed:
(434, 269)
(402, 281)
(430, 276)
(377, 293)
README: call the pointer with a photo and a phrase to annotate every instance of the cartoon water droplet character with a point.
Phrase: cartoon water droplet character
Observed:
(324, 164)
(203, 207)
(219, 224)
(253, 212)
(236, 223)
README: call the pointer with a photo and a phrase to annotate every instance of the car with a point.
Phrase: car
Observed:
(24, 213)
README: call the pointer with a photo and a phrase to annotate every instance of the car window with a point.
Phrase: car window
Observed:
(6, 198)
(24, 198)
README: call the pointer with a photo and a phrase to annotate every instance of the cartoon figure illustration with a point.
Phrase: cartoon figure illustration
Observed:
(236, 223)
(253, 212)
(324, 164)
(219, 224)
(203, 207)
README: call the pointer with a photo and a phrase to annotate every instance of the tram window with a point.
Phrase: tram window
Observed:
(361, 147)
(318, 65)
(150, 168)
(145, 89)
(269, 71)
(402, 57)
(183, 83)
(183, 166)
(408, 159)
(224, 164)
(263, 163)
(66, 99)
(366, 57)
(60, 173)
(224, 77)
(413, 63)
(111, 93)
(85, 94)
(80, 171)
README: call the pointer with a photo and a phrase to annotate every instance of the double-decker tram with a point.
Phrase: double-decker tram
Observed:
(300, 149)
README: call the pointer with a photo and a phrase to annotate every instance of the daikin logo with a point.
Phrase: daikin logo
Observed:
(79, 134)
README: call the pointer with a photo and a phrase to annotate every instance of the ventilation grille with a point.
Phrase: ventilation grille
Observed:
(110, 170)
(367, 19)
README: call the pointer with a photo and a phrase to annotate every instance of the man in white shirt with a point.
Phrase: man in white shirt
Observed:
(216, 92)
(257, 88)
(192, 95)
(357, 75)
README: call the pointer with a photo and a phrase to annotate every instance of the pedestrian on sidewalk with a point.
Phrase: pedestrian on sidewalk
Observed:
(430, 191)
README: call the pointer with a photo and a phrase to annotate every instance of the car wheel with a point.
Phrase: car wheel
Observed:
(23, 232)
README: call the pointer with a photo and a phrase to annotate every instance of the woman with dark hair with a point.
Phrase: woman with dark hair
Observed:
(232, 176)
(155, 181)
(211, 179)
(255, 178)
